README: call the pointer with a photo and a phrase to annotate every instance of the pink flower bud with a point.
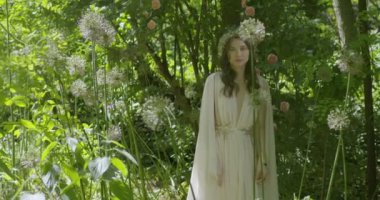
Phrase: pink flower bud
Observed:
(250, 11)
(284, 106)
(156, 4)
(151, 24)
(272, 59)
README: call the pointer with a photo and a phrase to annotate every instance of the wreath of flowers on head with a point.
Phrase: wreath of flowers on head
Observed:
(251, 30)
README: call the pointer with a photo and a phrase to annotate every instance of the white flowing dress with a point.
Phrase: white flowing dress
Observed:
(224, 165)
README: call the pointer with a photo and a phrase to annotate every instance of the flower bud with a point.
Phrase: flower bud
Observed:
(284, 106)
(272, 59)
(250, 11)
(151, 24)
(156, 4)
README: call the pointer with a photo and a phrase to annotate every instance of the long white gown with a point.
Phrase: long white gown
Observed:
(225, 147)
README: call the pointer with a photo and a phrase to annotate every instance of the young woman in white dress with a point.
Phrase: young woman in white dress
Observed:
(235, 151)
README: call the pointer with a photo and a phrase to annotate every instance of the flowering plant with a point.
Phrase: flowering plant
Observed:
(252, 30)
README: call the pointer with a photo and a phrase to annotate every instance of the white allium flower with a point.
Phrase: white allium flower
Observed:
(23, 52)
(53, 55)
(96, 28)
(190, 92)
(337, 119)
(350, 61)
(252, 30)
(78, 88)
(120, 105)
(76, 65)
(89, 98)
(156, 111)
(101, 77)
(115, 77)
(114, 133)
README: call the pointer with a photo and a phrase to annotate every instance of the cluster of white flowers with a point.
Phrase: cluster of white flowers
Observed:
(119, 105)
(96, 28)
(337, 119)
(78, 88)
(252, 30)
(53, 55)
(32, 196)
(156, 110)
(350, 61)
(76, 65)
(23, 52)
(114, 133)
(190, 92)
(113, 78)
(101, 77)
(89, 98)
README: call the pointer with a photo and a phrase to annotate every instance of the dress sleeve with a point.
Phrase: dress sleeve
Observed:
(270, 183)
(203, 176)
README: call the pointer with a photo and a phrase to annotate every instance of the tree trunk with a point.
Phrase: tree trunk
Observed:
(348, 34)
(345, 19)
(368, 104)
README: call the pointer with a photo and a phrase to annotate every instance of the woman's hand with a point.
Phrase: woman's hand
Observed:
(261, 172)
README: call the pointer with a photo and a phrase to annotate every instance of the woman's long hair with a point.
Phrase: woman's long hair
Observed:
(228, 74)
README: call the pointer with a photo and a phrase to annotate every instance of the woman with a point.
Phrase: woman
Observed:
(235, 151)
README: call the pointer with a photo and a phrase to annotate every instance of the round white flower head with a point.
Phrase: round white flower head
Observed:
(350, 61)
(190, 93)
(114, 133)
(101, 77)
(76, 65)
(78, 88)
(156, 111)
(115, 77)
(337, 119)
(53, 55)
(252, 30)
(96, 28)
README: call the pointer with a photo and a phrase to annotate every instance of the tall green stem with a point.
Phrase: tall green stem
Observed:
(10, 75)
(308, 146)
(334, 166)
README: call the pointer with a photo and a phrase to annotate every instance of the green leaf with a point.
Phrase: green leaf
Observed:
(20, 101)
(8, 102)
(127, 155)
(48, 150)
(120, 190)
(5, 169)
(28, 124)
(119, 165)
(71, 173)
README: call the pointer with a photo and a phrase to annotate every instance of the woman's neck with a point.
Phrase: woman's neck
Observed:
(240, 76)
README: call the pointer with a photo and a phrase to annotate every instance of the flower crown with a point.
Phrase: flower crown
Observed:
(251, 30)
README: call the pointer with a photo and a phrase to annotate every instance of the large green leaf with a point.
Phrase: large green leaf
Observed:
(71, 173)
(120, 190)
(48, 150)
(119, 165)
(28, 124)
(5, 169)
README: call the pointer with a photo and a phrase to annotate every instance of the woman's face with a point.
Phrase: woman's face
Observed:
(238, 54)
